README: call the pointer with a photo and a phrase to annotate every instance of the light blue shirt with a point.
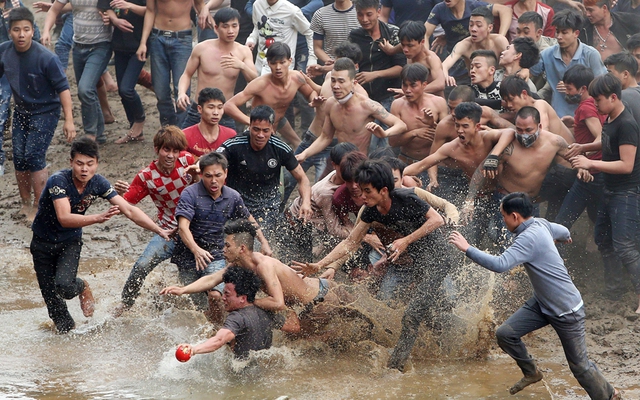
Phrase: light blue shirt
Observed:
(551, 62)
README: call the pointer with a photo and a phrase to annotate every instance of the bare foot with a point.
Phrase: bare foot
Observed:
(526, 381)
(617, 395)
(87, 303)
(108, 118)
(31, 214)
(119, 310)
(638, 310)
(25, 209)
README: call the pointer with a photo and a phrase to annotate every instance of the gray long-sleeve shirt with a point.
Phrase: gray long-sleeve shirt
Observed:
(534, 248)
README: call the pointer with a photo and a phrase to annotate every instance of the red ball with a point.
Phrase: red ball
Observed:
(268, 42)
(182, 354)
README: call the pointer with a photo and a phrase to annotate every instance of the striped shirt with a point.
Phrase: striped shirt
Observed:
(333, 26)
(88, 27)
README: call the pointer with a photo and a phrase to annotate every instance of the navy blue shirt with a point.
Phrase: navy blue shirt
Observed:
(60, 185)
(36, 78)
(410, 10)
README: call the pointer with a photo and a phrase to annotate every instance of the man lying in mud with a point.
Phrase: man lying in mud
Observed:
(282, 285)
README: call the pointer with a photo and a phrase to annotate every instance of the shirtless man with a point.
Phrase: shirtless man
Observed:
(276, 90)
(419, 110)
(480, 26)
(282, 285)
(218, 63)
(350, 115)
(167, 28)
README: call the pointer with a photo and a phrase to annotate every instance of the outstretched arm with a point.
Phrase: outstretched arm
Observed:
(222, 337)
(203, 284)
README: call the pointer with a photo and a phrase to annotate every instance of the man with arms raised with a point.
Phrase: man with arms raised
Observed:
(218, 63)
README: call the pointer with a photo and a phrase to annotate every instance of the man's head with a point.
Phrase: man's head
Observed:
(515, 208)
(211, 105)
(466, 117)
(633, 45)
(414, 81)
(338, 153)
(213, 172)
(411, 35)
(343, 78)
(482, 67)
(279, 59)
(84, 159)
(168, 142)
(452, 3)
(239, 237)
(528, 126)
(597, 10)
(568, 24)
(240, 287)
(20, 23)
(458, 95)
(577, 79)
(349, 50)
(480, 23)
(515, 93)
(367, 12)
(522, 52)
(227, 24)
(530, 25)
(375, 179)
(261, 127)
(397, 169)
(348, 168)
(606, 90)
(623, 66)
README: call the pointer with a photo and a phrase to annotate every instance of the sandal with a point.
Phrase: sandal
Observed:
(128, 138)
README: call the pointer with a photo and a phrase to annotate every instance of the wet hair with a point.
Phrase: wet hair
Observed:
(412, 30)
(598, 3)
(633, 42)
(377, 173)
(381, 152)
(350, 163)
(517, 202)
(605, 85)
(345, 64)
(568, 19)
(278, 51)
(464, 93)
(489, 55)
(171, 137)
(340, 150)
(243, 231)
(395, 163)
(20, 14)
(528, 111)
(208, 94)
(213, 158)
(513, 86)
(468, 109)
(226, 14)
(413, 73)
(531, 16)
(364, 4)
(578, 75)
(86, 147)
(529, 50)
(263, 113)
(623, 62)
(485, 12)
(245, 281)
(349, 50)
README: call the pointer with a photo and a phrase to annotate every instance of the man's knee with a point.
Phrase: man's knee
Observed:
(506, 335)
(86, 92)
(66, 290)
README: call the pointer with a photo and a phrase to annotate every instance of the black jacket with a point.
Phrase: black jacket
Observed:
(624, 25)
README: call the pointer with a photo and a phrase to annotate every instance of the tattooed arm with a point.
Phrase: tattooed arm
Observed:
(395, 124)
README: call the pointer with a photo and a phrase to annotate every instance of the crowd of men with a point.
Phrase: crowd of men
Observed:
(470, 117)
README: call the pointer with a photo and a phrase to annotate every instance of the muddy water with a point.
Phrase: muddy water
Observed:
(132, 357)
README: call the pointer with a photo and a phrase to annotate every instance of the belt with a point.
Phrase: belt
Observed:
(408, 160)
(88, 45)
(173, 34)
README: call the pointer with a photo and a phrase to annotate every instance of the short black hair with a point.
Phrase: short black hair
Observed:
(529, 50)
(623, 61)
(414, 72)
(345, 64)
(578, 75)
(468, 109)
(377, 173)
(226, 14)
(85, 146)
(208, 94)
(245, 281)
(349, 50)
(412, 30)
(243, 231)
(528, 111)
(512, 86)
(633, 42)
(213, 158)
(262, 113)
(517, 202)
(278, 51)
(340, 150)
(349, 165)
(381, 152)
(531, 16)
(20, 14)
(364, 4)
(492, 59)
(605, 85)
(483, 11)
(568, 19)
(395, 163)
(462, 92)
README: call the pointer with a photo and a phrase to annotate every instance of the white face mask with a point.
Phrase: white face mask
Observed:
(345, 98)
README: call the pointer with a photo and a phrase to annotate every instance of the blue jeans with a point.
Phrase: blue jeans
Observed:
(190, 275)
(128, 69)
(616, 234)
(570, 330)
(169, 57)
(156, 252)
(581, 195)
(31, 137)
(5, 101)
(206, 34)
(193, 117)
(89, 62)
(65, 41)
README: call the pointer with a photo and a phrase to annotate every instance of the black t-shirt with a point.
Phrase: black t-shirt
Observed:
(252, 327)
(621, 131)
(127, 42)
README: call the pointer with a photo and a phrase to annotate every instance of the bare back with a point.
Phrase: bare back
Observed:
(173, 15)
(295, 289)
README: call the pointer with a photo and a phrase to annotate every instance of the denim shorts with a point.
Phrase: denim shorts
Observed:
(215, 266)
(32, 136)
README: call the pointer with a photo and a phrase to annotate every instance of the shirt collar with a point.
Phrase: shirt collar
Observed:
(524, 225)
(556, 52)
